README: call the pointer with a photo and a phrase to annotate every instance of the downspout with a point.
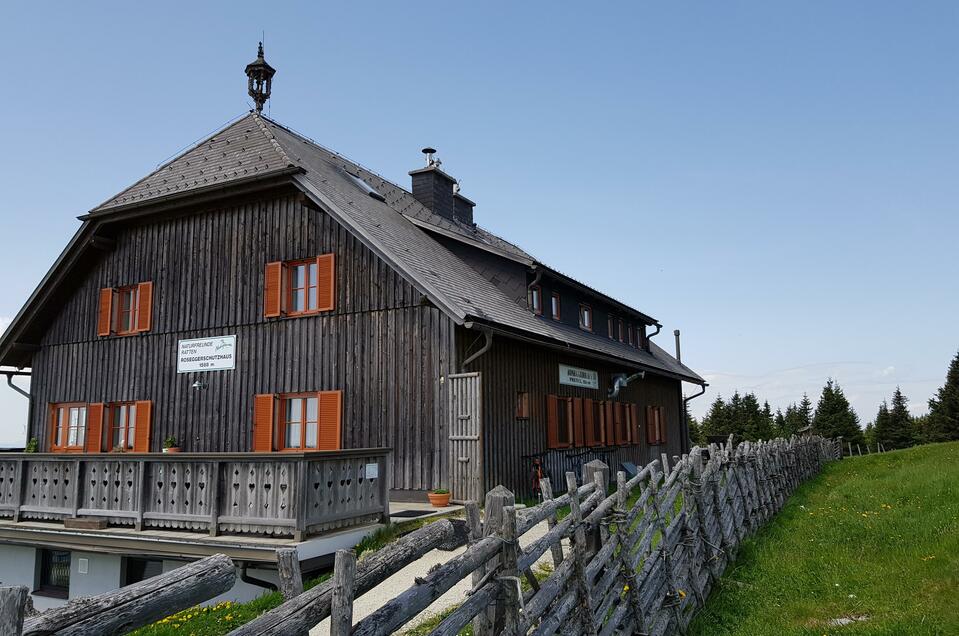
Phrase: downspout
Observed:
(13, 386)
(539, 275)
(685, 402)
(488, 334)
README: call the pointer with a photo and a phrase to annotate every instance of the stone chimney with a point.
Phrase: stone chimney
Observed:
(438, 192)
(462, 208)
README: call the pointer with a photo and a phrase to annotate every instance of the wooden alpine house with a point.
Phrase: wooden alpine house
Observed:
(314, 340)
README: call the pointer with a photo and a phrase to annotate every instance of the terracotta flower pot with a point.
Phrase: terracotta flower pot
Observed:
(439, 500)
(171, 449)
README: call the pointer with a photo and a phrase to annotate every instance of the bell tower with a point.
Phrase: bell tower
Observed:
(260, 77)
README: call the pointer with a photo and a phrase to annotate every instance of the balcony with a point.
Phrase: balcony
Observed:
(268, 494)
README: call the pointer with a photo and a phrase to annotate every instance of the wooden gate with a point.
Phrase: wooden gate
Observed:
(466, 437)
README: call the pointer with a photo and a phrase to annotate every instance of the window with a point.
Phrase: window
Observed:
(620, 330)
(629, 335)
(123, 425)
(655, 425)
(54, 573)
(136, 569)
(68, 427)
(300, 287)
(297, 421)
(536, 299)
(300, 422)
(554, 305)
(522, 405)
(126, 310)
(611, 327)
(585, 317)
(559, 422)
(595, 423)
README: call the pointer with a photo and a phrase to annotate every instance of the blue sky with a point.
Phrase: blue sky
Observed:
(778, 180)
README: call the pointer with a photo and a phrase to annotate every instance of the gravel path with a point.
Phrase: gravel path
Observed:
(375, 598)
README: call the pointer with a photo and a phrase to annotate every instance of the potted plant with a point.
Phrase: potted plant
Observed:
(170, 445)
(440, 497)
(32, 445)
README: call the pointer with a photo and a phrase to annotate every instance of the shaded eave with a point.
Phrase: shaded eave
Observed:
(562, 345)
(586, 289)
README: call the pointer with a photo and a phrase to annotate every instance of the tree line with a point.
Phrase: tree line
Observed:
(894, 427)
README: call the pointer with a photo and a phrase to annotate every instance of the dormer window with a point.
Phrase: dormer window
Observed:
(629, 335)
(536, 299)
(621, 329)
(554, 306)
(611, 328)
(586, 317)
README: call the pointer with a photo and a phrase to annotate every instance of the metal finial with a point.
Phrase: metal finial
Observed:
(260, 78)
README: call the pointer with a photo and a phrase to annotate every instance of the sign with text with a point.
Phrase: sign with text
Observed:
(578, 377)
(206, 354)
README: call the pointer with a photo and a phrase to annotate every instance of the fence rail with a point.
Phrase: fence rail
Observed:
(283, 494)
(640, 560)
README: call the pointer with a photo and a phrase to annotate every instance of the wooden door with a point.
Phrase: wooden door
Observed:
(466, 437)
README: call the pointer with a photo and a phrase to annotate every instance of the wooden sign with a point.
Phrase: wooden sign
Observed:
(206, 354)
(574, 376)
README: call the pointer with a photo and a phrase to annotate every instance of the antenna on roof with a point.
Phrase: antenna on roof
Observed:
(430, 159)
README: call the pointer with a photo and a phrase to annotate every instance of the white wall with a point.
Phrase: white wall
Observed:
(103, 573)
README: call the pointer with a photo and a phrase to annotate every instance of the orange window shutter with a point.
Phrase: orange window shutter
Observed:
(578, 437)
(263, 422)
(634, 424)
(273, 290)
(54, 442)
(552, 421)
(610, 423)
(94, 443)
(144, 417)
(105, 312)
(660, 417)
(326, 281)
(589, 425)
(650, 425)
(144, 306)
(330, 425)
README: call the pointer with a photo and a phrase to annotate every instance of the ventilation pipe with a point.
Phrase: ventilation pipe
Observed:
(679, 356)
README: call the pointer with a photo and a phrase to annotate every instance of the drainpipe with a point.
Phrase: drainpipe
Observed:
(659, 328)
(679, 356)
(685, 402)
(488, 334)
(13, 386)
(539, 275)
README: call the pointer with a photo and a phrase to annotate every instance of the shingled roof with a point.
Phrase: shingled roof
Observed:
(393, 227)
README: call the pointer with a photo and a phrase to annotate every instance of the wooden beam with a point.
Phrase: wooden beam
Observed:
(13, 602)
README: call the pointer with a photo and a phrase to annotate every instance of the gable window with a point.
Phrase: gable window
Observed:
(554, 306)
(559, 422)
(127, 310)
(68, 427)
(54, 573)
(586, 317)
(536, 299)
(655, 425)
(297, 421)
(299, 287)
(611, 327)
(629, 335)
(522, 405)
(620, 329)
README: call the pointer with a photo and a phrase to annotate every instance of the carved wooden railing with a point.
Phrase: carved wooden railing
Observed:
(282, 494)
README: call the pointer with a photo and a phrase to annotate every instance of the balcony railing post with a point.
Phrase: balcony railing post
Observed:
(141, 496)
(76, 486)
(215, 474)
(18, 489)
(300, 507)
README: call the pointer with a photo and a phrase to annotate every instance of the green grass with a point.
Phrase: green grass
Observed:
(876, 537)
(222, 618)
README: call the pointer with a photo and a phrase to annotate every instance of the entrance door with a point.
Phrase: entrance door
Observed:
(466, 437)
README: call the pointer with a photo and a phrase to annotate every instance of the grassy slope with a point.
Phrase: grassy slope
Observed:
(876, 536)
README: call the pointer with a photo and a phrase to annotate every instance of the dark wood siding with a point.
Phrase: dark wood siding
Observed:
(512, 366)
(382, 345)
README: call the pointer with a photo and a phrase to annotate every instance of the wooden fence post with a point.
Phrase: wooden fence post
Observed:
(508, 617)
(579, 557)
(557, 548)
(13, 600)
(341, 607)
(288, 572)
(496, 500)
(596, 472)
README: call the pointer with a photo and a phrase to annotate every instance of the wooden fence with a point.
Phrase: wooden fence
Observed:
(640, 560)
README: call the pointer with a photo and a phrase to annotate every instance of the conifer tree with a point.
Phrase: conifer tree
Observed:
(834, 416)
(943, 422)
(896, 429)
(804, 412)
(780, 423)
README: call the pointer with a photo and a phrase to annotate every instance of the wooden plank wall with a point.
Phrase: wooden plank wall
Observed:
(383, 346)
(512, 365)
